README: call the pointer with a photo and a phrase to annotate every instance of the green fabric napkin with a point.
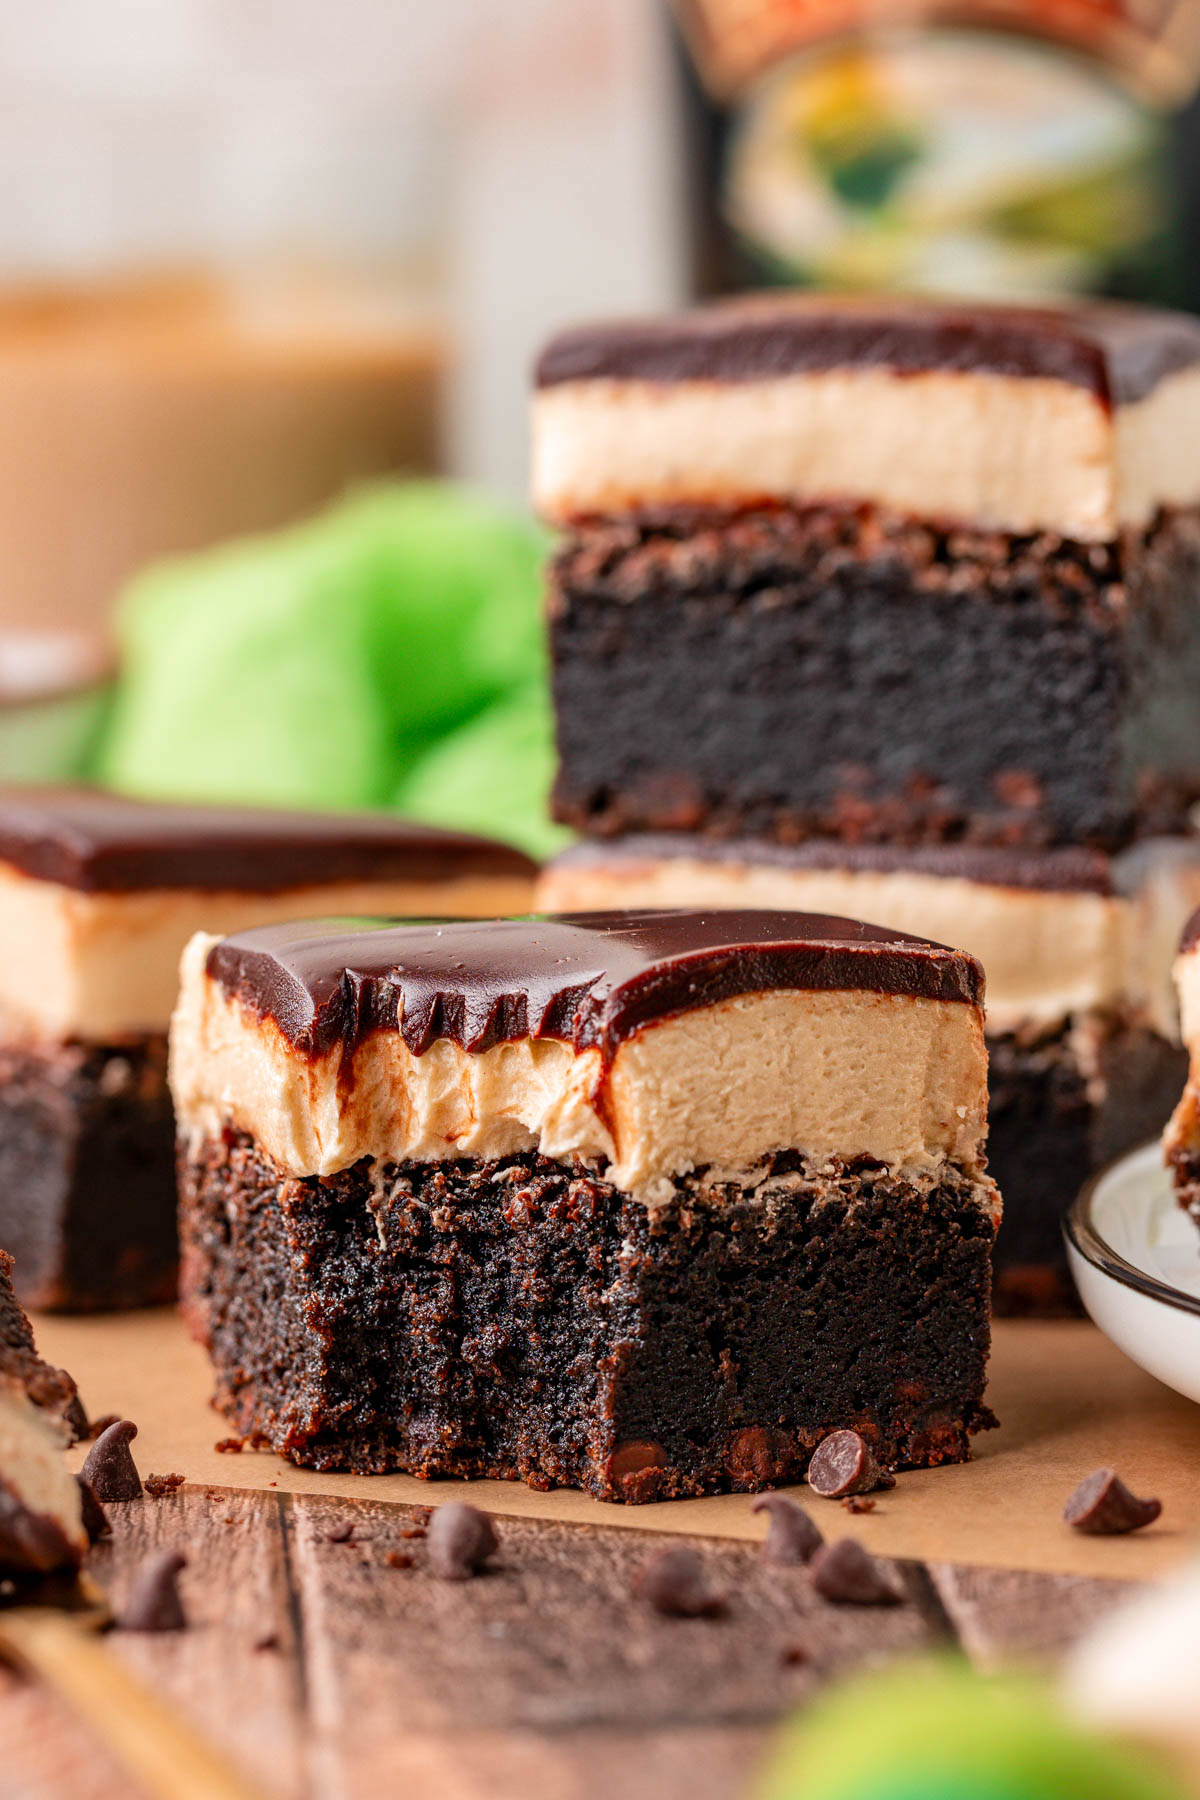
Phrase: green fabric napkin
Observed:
(393, 643)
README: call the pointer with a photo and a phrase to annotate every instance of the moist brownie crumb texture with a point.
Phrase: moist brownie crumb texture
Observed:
(851, 588)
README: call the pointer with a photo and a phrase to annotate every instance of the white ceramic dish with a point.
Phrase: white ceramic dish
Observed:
(1135, 1256)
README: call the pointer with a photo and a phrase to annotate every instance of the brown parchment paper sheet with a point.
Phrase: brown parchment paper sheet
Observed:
(1067, 1400)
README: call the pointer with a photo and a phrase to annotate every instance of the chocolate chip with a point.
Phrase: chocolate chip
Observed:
(341, 1534)
(858, 1503)
(110, 1470)
(161, 1487)
(842, 1463)
(849, 1576)
(1102, 1506)
(461, 1539)
(154, 1603)
(97, 1426)
(675, 1583)
(791, 1536)
(229, 1446)
(95, 1519)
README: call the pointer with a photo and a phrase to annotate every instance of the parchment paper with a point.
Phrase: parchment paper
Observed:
(1067, 1400)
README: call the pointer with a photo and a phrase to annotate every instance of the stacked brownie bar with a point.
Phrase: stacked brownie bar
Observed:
(890, 607)
(98, 896)
(596, 1201)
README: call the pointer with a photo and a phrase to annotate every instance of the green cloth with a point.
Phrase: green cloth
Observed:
(933, 1729)
(322, 664)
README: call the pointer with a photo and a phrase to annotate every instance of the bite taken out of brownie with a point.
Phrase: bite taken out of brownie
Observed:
(646, 1204)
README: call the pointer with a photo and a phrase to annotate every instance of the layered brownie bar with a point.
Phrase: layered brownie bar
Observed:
(41, 1519)
(1082, 1028)
(98, 896)
(645, 1204)
(876, 569)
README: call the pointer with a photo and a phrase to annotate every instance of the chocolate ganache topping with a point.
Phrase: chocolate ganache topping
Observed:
(584, 978)
(100, 842)
(1120, 353)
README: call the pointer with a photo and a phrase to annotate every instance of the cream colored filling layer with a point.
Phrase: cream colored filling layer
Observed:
(1047, 954)
(898, 1079)
(105, 966)
(33, 1464)
(1001, 452)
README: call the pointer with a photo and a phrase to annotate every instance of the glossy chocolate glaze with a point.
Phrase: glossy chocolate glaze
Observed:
(99, 842)
(585, 978)
(1120, 353)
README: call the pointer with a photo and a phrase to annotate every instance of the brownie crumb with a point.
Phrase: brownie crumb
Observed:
(109, 1469)
(859, 1503)
(421, 1515)
(160, 1487)
(412, 1531)
(848, 1575)
(675, 1583)
(399, 1559)
(154, 1603)
(461, 1540)
(1102, 1506)
(341, 1534)
(843, 1463)
(230, 1446)
(792, 1537)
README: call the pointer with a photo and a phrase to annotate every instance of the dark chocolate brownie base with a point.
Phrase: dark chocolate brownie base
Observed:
(778, 674)
(1061, 1107)
(87, 1181)
(525, 1321)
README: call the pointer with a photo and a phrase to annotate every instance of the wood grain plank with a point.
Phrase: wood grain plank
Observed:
(247, 1699)
(552, 1646)
(1000, 1614)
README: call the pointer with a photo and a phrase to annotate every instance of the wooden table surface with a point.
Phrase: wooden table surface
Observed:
(325, 1669)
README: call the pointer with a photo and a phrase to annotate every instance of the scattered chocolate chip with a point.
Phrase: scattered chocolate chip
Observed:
(795, 1656)
(1102, 1506)
(341, 1534)
(154, 1603)
(399, 1559)
(461, 1539)
(859, 1503)
(110, 1470)
(229, 1446)
(95, 1519)
(791, 1536)
(161, 1487)
(843, 1463)
(269, 1641)
(849, 1576)
(675, 1583)
(97, 1426)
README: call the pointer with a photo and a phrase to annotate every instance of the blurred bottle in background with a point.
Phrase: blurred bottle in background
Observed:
(1007, 148)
